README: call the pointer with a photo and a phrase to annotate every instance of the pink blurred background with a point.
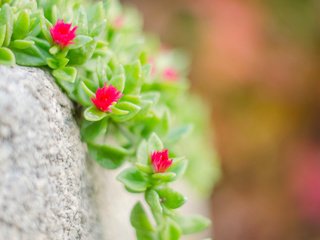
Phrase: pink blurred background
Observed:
(256, 63)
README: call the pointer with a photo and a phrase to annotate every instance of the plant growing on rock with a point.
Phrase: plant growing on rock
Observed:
(128, 90)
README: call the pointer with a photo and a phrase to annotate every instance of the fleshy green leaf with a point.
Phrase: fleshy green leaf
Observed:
(154, 143)
(153, 200)
(36, 55)
(132, 98)
(165, 177)
(54, 14)
(142, 152)
(107, 156)
(178, 167)
(171, 231)
(87, 90)
(35, 28)
(41, 44)
(144, 168)
(93, 114)
(54, 49)
(45, 26)
(90, 130)
(82, 22)
(164, 125)
(118, 82)
(80, 41)
(68, 87)
(133, 77)
(118, 112)
(171, 198)
(62, 62)
(82, 96)
(139, 219)
(133, 180)
(82, 54)
(6, 17)
(29, 57)
(146, 111)
(101, 69)
(177, 133)
(6, 56)
(68, 74)
(146, 235)
(56, 63)
(98, 29)
(21, 25)
(2, 34)
(21, 44)
(192, 224)
(131, 108)
(95, 13)
(128, 106)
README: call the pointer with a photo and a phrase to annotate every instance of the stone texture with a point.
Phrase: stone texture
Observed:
(45, 191)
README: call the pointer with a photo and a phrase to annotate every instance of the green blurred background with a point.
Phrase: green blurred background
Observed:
(256, 64)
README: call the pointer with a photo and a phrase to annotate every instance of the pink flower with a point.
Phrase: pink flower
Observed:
(170, 74)
(105, 97)
(62, 34)
(118, 22)
(160, 161)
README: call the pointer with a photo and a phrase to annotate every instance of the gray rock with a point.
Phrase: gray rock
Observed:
(45, 188)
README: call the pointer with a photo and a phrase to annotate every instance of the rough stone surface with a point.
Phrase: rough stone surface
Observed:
(45, 191)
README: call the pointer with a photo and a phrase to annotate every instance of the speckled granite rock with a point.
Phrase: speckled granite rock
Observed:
(45, 191)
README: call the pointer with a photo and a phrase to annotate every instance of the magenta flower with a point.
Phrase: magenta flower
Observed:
(170, 74)
(62, 34)
(105, 97)
(160, 161)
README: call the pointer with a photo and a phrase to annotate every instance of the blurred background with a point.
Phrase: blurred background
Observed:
(256, 64)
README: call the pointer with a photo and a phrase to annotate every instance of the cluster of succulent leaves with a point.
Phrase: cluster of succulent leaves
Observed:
(141, 122)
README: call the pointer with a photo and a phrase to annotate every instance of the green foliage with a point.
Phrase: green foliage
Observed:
(171, 198)
(93, 114)
(140, 221)
(154, 201)
(111, 49)
(6, 56)
(6, 18)
(134, 180)
(107, 156)
(192, 224)
(21, 25)
(68, 74)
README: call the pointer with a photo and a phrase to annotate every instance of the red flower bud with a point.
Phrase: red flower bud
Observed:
(160, 161)
(62, 34)
(105, 97)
